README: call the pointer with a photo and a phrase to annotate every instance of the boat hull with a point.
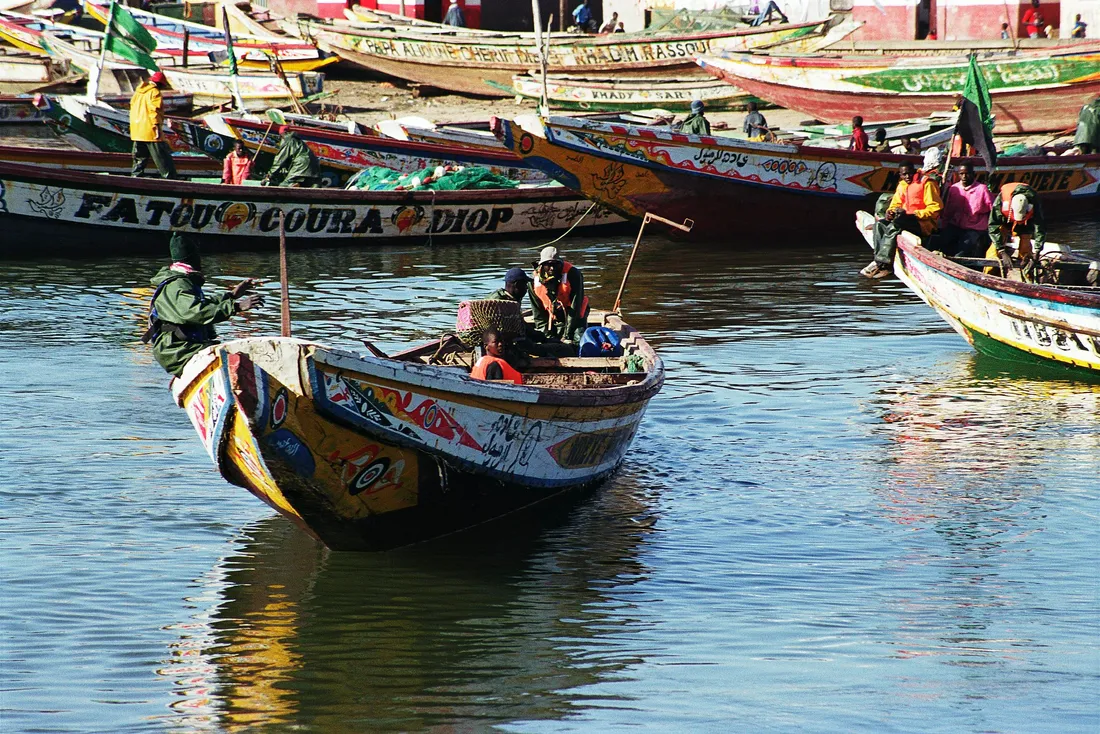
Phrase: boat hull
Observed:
(86, 214)
(371, 454)
(1029, 93)
(726, 185)
(1004, 318)
(598, 95)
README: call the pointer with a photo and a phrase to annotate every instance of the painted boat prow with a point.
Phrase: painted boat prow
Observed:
(369, 453)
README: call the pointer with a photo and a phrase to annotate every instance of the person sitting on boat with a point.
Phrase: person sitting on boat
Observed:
(295, 165)
(1079, 28)
(1017, 212)
(609, 26)
(696, 123)
(493, 366)
(558, 304)
(181, 316)
(454, 16)
(582, 17)
(237, 165)
(881, 144)
(909, 146)
(621, 28)
(146, 121)
(859, 135)
(766, 16)
(1087, 138)
(964, 223)
(755, 127)
(914, 208)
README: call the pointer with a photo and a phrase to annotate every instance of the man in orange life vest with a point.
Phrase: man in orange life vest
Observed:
(558, 304)
(493, 366)
(914, 208)
(1017, 211)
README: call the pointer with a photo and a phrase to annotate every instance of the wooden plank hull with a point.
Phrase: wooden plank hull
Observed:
(352, 153)
(465, 63)
(764, 188)
(96, 162)
(1030, 92)
(370, 454)
(87, 214)
(605, 95)
(1002, 317)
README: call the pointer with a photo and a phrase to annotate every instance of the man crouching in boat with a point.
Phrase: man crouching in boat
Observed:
(1017, 212)
(558, 304)
(493, 366)
(181, 317)
(914, 208)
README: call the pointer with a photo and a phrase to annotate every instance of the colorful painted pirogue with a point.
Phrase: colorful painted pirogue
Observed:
(465, 63)
(734, 187)
(352, 152)
(251, 51)
(568, 92)
(1000, 316)
(371, 453)
(1032, 91)
(66, 211)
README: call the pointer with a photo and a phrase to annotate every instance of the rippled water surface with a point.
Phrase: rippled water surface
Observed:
(835, 517)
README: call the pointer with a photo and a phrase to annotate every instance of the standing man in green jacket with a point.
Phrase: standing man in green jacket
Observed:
(696, 124)
(295, 165)
(181, 317)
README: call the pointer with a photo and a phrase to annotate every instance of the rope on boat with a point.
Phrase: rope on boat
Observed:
(566, 232)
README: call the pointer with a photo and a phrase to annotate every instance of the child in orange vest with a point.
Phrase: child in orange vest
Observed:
(237, 166)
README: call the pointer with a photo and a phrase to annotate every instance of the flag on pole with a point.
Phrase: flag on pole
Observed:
(127, 38)
(229, 42)
(975, 125)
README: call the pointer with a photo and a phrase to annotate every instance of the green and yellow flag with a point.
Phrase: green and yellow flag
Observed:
(127, 38)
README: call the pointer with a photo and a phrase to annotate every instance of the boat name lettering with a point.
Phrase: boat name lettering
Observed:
(711, 156)
(1038, 180)
(511, 442)
(465, 220)
(585, 450)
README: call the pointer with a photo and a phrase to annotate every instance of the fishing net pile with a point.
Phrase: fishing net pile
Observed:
(440, 178)
(477, 317)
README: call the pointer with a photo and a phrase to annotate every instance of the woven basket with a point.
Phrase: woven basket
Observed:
(476, 317)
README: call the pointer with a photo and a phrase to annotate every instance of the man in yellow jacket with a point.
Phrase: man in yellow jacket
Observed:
(146, 118)
(915, 207)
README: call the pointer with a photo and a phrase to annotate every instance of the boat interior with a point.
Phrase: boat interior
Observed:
(1056, 266)
(553, 372)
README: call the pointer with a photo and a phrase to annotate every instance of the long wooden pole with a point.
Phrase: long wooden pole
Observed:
(284, 284)
(685, 227)
(563, 6)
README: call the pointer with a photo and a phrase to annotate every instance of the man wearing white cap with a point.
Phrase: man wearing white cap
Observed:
(1017, 212)
(558, 304)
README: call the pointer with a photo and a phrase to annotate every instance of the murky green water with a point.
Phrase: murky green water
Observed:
(836, 517)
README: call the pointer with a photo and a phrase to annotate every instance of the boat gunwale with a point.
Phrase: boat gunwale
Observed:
(995, 283)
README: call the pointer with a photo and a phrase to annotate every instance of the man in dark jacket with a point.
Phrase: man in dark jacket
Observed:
(295, 165)
(181, 317)
(696, 123)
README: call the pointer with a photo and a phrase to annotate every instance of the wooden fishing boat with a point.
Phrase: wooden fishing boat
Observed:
(251, 51)
(86, 214)
(24, 68)
(189, 166)
(352, 152)
(601, 94)
(1001, 316)
(19, 109)
(466, 63)
(1032, 91)
(735, 186)
(371, 453)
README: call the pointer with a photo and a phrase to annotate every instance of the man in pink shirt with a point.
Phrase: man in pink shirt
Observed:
(964, 221)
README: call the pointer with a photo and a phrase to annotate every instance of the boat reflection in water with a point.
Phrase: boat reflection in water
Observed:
(982, 458)
(472, 632)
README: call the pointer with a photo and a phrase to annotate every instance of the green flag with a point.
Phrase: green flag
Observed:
(127, 38)
(229, 42)
(975, 124)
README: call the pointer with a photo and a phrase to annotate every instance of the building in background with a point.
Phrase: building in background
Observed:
(953, 20)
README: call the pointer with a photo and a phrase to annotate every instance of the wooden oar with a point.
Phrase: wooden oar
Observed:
(273, 116)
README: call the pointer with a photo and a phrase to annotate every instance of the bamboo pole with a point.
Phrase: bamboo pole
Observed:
(685, 227)
(284, 285)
